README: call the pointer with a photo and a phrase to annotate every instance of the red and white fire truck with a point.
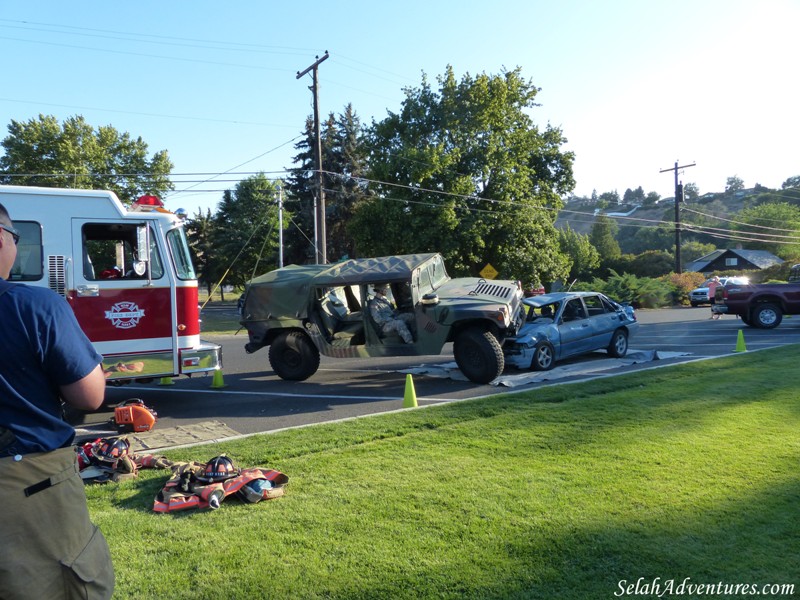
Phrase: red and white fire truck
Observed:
(126, 273)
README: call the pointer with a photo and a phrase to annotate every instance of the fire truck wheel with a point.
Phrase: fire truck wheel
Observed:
(293, 356)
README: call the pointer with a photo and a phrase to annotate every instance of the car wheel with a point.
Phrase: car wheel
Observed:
(293, 356)
(695, 304)
(619, 344)
(746, 319)
(544, 357)
(767, 315)
(478, 355)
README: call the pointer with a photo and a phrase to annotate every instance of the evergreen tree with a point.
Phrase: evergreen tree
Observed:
(200, 234)
(301, 185)
(245, 237)
(603, 238)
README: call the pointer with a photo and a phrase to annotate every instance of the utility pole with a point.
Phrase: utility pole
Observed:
(678, 200)
(319, 202)
(280, 226)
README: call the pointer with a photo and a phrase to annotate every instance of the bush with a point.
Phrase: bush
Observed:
(682, 284)
(640, 292)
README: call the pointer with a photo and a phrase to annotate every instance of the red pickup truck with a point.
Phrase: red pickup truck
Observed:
(760, 305)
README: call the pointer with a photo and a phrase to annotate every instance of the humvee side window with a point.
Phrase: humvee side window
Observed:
(437, 272)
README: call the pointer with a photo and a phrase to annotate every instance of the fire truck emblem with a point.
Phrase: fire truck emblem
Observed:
(124, 315)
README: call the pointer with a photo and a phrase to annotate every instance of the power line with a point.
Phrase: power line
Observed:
(146, 114)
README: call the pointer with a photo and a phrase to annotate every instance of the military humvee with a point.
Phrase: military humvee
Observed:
(302, 311)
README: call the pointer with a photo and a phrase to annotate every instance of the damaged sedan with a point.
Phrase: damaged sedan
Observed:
(564, 324)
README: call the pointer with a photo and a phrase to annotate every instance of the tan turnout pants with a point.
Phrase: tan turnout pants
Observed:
(48, 546)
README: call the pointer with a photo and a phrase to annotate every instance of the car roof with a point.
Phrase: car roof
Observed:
(552, 298)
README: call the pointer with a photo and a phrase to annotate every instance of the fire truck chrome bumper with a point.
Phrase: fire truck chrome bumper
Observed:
(205, 357)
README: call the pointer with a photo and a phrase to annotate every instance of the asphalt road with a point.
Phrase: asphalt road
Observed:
(256, 400)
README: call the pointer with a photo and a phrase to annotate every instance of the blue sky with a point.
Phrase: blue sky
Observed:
(634, 85)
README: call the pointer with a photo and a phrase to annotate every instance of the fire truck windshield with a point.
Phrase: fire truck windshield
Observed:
(179, 249)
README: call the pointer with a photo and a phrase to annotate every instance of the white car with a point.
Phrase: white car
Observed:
(699, 295)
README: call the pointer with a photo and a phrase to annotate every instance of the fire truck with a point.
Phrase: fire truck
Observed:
(126, 273)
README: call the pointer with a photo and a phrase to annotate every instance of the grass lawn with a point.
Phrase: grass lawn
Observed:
(560, 492)
(220, 322)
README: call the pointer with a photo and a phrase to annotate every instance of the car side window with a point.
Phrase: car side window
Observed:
(574, 310)
(594, 305)
(608, 305)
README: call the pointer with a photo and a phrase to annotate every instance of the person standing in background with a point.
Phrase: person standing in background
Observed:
(712, 291)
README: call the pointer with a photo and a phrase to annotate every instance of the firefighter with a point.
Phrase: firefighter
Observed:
(50, 547)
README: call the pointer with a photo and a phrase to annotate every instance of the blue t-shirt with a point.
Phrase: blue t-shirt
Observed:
(41, 348)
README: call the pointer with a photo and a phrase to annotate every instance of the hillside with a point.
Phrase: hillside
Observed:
(580, 216)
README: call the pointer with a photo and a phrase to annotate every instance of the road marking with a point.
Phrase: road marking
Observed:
(288, 395)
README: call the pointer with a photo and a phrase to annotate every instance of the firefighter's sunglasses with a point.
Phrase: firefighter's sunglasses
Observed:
(14, 233)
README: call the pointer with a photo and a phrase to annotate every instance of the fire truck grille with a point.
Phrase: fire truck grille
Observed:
(57, 274)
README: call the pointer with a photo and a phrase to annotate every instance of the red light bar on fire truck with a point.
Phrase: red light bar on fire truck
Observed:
(148, 203)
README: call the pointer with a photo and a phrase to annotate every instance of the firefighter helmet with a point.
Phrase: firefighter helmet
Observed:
(112, 449)
(219, 468)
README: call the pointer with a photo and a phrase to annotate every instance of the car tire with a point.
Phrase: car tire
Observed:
(695, 304)
(293, 356)
(544, 357)
(619, 344)
(478, 355)
(767, 315)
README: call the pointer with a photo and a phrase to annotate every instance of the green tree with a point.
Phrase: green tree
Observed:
(75, 155)
(651, 199)
(691, 192)
(464, 170)
(603, 237)
(633, 196)
(583, 255)
(200, 233)
(692, 250)
(611, 199)
(245, 235)
(344, 163)
(774, 227)
(301, 186)
(661, 237)
(346, 169)
(652, 263)
(732, 185)
(791, 182)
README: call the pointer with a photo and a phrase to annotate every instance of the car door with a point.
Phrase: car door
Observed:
(574, 329)
(603, 321)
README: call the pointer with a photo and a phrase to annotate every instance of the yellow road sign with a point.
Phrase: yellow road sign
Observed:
(488, 272)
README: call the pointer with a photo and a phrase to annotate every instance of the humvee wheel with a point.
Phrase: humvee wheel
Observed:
(293, 356)
(479, 355)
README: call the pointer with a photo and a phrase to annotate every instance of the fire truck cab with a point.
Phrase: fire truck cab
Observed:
(126, 273)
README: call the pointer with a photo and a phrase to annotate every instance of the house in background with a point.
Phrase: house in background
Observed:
(734, 260)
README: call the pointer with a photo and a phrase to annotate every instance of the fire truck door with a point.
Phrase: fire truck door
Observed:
(125, 308)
